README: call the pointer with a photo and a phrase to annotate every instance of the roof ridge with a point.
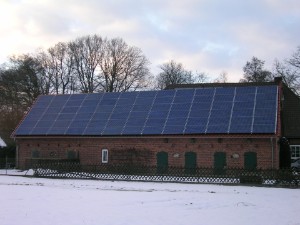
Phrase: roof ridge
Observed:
(232, 84)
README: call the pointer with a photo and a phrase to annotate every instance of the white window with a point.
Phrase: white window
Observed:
(295, 151)
(104, 156)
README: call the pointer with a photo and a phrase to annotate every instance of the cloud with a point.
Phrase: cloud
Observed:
(205, 35)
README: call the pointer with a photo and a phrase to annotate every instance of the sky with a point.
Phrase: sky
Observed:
(210, 36)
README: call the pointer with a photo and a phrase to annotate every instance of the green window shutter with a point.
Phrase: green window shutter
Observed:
(35, 154)
(220, 162)
(190, 162)
(71, 155)
(250, 160)
(162, 162)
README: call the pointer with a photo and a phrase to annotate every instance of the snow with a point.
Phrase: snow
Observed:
(2, 143)
(15, 172)
(29, 200)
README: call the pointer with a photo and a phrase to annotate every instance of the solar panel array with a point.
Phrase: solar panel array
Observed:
(234, 110)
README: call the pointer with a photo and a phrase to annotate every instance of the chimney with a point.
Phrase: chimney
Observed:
(277, 80)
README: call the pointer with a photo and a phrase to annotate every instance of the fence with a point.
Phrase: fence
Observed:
(73, 169)
(7, 163)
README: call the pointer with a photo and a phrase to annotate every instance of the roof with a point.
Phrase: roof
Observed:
(2, 143)
(214, 110)
(213, 85)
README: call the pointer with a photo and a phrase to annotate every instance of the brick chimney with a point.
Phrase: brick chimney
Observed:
(277, 80)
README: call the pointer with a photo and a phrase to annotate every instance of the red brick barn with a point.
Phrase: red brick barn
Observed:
(213, 125)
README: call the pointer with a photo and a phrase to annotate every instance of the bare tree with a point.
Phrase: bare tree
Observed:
(45, 77)
(295, 59)
(173, 73)
(87, 52)
(200, 78)
(289, 70)
(123, 68)
(222, 78)
(254, 71)
(61, 65)
(289, 74)
(92, 64)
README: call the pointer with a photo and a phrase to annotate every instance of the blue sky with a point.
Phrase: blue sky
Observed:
(210, 36)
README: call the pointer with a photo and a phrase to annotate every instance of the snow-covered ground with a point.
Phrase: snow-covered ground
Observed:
(16, 172)
(28, 201)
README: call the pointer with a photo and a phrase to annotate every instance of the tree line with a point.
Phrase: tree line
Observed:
(92, 64)
(288, 69)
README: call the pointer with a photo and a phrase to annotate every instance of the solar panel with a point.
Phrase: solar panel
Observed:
(71, 131)
(39, 131)
(95, 126)
(176, 122)
(195, 129)
(36, 113)
(164, 100)
(173, 114)
(147, 102)
(155, 122)
(184, 111)
(217, 129)
(199, 112)
(132, 130)
(173, 129)
(45, 100)
(119, 115)
(135, 122)
(205, 92)
(112, 130)
(152, 130)
(23, 130)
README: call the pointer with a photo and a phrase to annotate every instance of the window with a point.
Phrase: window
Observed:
(71, 155)
(35, 154)
(219, 162)
(295, 151)
(162, 162)
(190, 162)
(104, 156)
(250, 160)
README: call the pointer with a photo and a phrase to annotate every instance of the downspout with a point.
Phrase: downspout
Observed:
(17, 156)
(279, 121)
(272, 148)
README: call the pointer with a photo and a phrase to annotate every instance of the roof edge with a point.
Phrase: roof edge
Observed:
(211, 85)
(246, 135)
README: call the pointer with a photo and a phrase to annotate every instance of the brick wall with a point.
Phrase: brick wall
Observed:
(143, 150)
(294, 141)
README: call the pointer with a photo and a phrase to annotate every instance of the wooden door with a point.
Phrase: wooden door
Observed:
(220, 162)
(190, 162)
(250, 160)
(162, 162)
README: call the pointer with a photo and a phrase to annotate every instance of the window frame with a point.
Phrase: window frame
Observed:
(295, 151)
(104, 155)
